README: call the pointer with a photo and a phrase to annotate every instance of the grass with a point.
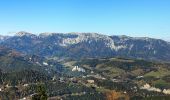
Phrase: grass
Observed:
(137, 72)
(121, 60)
(111, 71)
(161, 84)
(158, 74)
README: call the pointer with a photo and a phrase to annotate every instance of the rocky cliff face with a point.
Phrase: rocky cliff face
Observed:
(78, 45)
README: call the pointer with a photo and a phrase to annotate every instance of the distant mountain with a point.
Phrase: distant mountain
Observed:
(3, 38)
(82, 45)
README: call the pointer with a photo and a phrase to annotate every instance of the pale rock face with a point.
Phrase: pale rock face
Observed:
(45, 34)
(90, 81)
(131, 46)
(44, 63)
(146, 86)
(22, 33)
(76, 68)
(149, 88)
(3, 38)
(166, 91)
(154, 51)
(25, 85)
(139, 76)
(73, 44)
(89, 37)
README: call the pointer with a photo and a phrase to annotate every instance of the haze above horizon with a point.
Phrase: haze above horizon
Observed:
(145, 18)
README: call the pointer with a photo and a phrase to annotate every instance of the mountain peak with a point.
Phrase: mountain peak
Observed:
(23, 33)
(45, 34)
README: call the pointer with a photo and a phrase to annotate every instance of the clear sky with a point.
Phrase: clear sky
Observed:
(112, 17)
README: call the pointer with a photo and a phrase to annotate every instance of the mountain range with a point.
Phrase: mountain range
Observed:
(85, 45)
(112, 65)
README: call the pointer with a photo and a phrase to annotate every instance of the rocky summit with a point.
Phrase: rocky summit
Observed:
(80, 45)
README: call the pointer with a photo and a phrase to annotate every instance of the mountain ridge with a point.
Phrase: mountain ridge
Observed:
(78, 45)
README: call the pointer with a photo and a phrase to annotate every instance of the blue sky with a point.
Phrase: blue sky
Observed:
(141, 18)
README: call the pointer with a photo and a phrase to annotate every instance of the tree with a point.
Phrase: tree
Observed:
(41, 93)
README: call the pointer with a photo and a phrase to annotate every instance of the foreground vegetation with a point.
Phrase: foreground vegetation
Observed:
(103, 79)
